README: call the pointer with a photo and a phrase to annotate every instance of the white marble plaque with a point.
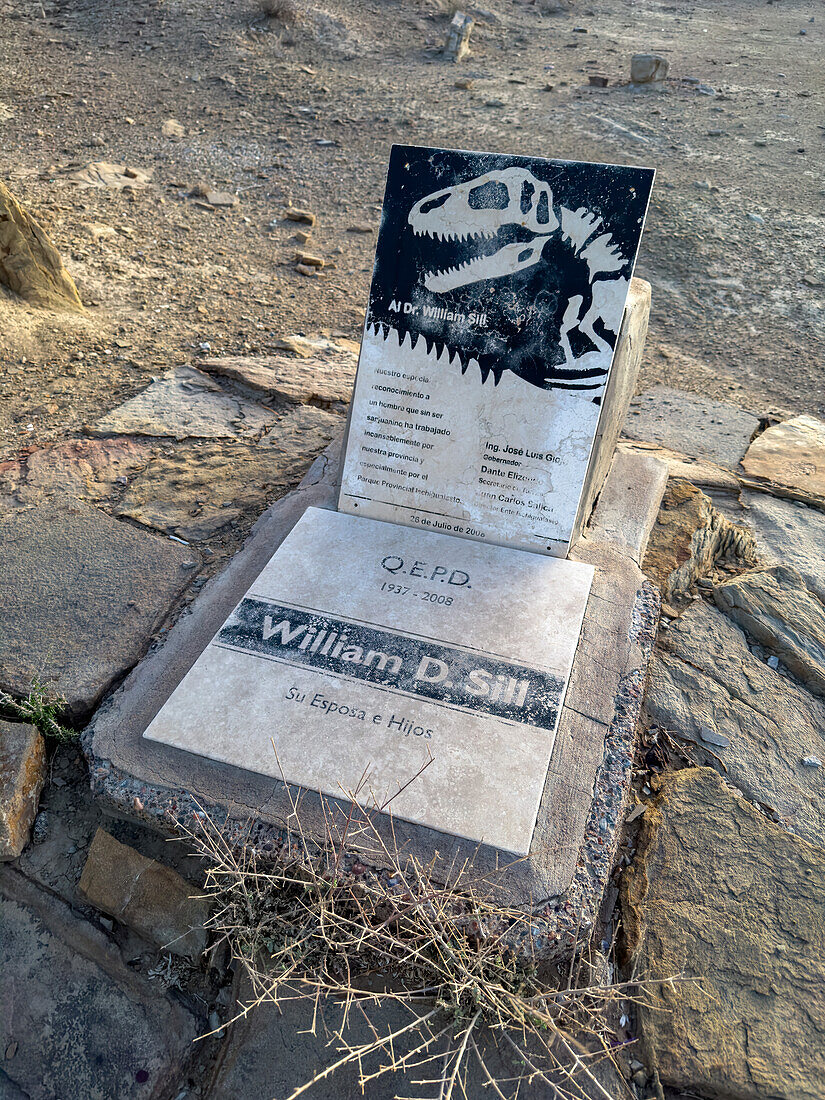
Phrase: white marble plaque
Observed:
(368, 651)
(496, 302)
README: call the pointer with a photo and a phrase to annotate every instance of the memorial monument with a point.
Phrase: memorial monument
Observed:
(415, 646)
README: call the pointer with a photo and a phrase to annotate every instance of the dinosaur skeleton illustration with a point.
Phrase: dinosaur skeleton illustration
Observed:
(510, 216)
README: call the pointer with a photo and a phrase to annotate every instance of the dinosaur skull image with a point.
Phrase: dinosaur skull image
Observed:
(479, 210)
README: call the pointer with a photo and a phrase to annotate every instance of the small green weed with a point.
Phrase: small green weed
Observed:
(43, 708)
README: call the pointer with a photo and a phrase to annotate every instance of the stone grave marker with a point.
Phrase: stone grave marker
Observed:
(376, 655)
(495, 309)
(421, 663)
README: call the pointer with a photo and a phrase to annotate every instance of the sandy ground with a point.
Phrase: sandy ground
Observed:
(305, 112)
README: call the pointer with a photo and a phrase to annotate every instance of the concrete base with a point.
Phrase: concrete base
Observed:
(564, 876)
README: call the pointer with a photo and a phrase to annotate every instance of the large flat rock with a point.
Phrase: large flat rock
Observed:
(80, 596)
(80, 1025)
(317, 380)
(273, 1051)
(183, 404)
(586, 784)
(720, 896)
(788, 533)
(704, 679)
(775, 607)
(691, 425)
(791, 454)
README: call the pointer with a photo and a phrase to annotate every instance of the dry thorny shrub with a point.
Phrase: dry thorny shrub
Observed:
(311, 919)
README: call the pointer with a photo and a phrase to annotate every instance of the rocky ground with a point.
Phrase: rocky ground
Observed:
(130, 440)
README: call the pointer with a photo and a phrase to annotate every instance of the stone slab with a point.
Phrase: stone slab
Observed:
(81, 1024)
(586, 785)
(691, 425)
(80, 596)
(722, 897)
(495, 310)
(790, 454)
(85, 469)
(149, 897)
(186, 404)
(698, 471)
(415, 670)
(272, 1051)
(198, 492)
(705, 679)
(309, 381)
(22, 775)
(790, 534)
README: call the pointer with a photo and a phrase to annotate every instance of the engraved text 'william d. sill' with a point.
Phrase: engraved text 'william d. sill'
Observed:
(399, 663)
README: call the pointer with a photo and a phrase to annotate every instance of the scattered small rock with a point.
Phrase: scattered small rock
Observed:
(309, 259)
(713, 738)
(172, 129)
(293, 214)
(597, 81)
(457, 44)
(147, 896)
(648, 68)
(22, 775)
(221, 198)
(811, 762)
(115, 177)
(305, 269)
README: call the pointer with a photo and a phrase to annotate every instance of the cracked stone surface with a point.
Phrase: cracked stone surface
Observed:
(789, 533)
(301, 433)
(774, 607)
(202, 490)
(80, 596)
(195, 494)
(75, 1021)
(187, 404)
(85, 469)
(704, 676)
(720, 894)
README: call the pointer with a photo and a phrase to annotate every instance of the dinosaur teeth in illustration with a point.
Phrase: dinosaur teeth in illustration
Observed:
(481, 208)
(509, 259)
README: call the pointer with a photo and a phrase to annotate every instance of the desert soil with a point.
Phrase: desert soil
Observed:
(279, 111)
